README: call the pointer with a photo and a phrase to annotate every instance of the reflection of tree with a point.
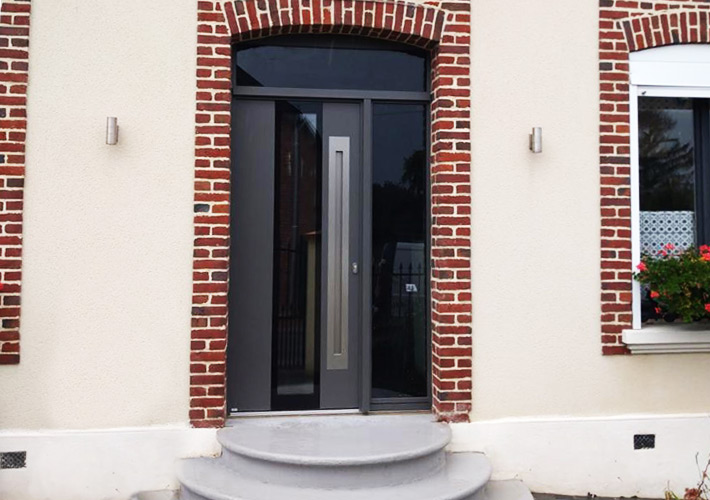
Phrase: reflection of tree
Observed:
(398, 316)
(666, 164)
(414, 175)
(399, 208)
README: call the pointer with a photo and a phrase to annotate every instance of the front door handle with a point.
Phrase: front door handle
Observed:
(338, 252)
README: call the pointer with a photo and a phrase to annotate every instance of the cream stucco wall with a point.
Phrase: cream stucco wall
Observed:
(108, 231)
(537, 349)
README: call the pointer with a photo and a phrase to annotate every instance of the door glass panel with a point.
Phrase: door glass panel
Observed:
(297, 255)
(400, 346)
(330, 66)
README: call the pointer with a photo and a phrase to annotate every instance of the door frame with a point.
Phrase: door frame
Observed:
(441, 29)
(366, 98)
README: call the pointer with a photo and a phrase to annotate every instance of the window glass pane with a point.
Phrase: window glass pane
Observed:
(400, 348)
(666, 172)
(330, 67)
(297, 251)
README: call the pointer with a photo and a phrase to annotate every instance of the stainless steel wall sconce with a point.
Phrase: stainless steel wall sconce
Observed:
(536, 140)
(112, 131)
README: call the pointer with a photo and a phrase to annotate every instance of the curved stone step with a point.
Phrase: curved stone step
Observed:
(463, 476)
(505, 490)
(156, 495)
(335, 453)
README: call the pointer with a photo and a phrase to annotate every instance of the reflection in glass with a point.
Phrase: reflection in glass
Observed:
(666, 172)
(331, 67)
(297, 254)
(399, 252)
(666, 178)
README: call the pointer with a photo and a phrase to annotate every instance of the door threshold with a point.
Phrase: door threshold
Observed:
(296, 413)
(324, 413)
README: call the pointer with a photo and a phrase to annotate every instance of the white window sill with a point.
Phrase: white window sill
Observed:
(668, 338)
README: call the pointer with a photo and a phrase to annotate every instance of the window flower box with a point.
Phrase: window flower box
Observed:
(677, 286)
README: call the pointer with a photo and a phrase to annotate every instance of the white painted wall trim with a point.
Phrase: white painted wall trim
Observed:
(576, 456)
(635, 204)
(675, 66)
(106, 464)
(668, 338)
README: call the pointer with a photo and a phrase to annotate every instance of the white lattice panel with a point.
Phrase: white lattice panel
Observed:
(661, 228)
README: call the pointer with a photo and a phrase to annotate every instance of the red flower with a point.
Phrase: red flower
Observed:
(692, 494)
(706, 256)
(655, 294)
(704, 248)
(642, 267)
(658, 311)
(707, 307)
(670, 246)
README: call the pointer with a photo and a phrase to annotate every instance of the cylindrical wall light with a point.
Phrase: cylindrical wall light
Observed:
(112, 131)
(536, 140)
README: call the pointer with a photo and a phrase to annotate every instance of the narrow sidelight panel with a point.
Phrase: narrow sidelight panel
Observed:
(250, 305)
(400, 340)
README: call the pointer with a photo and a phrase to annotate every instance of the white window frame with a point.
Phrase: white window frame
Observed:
(674, 71)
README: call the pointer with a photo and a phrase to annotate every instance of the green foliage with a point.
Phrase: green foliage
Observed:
(679, 282)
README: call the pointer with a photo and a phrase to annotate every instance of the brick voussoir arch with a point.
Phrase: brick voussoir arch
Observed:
(666, 28)
(444, 29)
(415, 24)
(627, 28)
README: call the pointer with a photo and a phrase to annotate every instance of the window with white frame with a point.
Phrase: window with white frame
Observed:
(670, 156)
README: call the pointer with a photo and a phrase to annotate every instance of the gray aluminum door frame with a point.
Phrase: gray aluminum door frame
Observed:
(366, 98)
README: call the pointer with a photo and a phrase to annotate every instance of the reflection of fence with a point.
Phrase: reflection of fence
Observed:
(290, 317)
(408, 289)
(399, 335)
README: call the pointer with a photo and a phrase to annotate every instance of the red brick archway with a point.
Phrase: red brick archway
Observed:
(627, 27)
(442, 28)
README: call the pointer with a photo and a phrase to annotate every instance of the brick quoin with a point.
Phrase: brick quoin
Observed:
(624, 27)
(14, 56)
(443, 28)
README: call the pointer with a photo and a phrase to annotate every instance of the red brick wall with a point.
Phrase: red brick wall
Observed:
(626, 26)
(442, 27)
(14, 53)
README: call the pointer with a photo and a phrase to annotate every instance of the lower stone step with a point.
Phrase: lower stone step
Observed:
(157, 495)
(505, 490)
(464, 476)
(494, 490)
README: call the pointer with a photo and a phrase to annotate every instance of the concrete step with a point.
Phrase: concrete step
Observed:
(157, 495)
(464, 475)
(343, 452)
(505, 490)
(339, 458)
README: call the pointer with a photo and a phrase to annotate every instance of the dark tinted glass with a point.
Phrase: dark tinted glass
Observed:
(400, 347)
(297, 255)
(666, 172)
(330, 66)
(667, 131)
(666, 153)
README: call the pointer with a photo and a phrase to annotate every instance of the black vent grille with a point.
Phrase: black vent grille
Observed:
(644, 441)
(13, 460)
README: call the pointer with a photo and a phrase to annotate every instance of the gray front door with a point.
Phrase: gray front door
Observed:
(296, 240)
